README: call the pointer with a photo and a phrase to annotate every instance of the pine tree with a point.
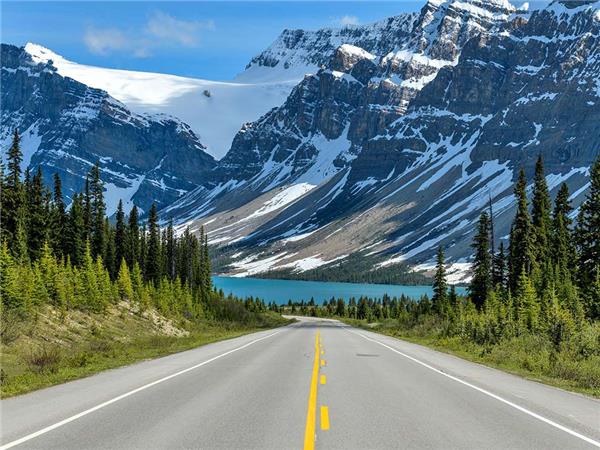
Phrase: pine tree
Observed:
(540, 216)
(124, 282)
(75, 235)
(13, 195)
(37, 215)
(440, 285)
(561, 237)
(170, 257)
(110, 261)
(587, 238)
(98, 213)
(58, 220)
(143, 249)
(132, 249)
(120, 238)
(153, 258)
(520, 247)
(499, 268)
(87, 210)
(206, 281)
(593, 296)
(15, 159)
(481, 282)
(526, 303)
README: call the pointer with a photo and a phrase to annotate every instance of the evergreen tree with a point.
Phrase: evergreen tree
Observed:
(206, 281)
(37, 215)
(13, 196)
(143, 249)
(110, 261)
(520, 247)
(481, 282)
(98, 213)
(153, 258)
(170, 257)
(58, 220)
(540, 216)
(132, 249)
(87, 210)
(15, 159)
(124, 282)
(75, 235)
(562, 240)
(587, 237)
(499, 269)
(440, 285)
(120, 234)
(526, 304)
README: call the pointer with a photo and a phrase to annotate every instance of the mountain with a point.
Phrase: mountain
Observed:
(214, 110)
(298, 52)
(389, 151)
(67, 126)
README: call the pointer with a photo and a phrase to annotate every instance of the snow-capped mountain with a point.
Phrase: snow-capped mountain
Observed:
(67, 126)
(214, 110)
(298, 52)
(393, 150)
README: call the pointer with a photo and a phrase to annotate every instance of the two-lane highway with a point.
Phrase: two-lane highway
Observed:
(315, 384)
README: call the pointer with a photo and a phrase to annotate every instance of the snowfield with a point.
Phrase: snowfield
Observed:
(211, 108)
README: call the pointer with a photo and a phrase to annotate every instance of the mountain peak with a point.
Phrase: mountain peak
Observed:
(41, 54)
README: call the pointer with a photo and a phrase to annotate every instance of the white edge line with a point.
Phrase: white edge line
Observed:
(127, 394)
(488, 393)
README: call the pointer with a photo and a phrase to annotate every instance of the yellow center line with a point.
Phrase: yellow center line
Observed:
(322, 362)
(311, 414)
(323, 379)
(324, 418)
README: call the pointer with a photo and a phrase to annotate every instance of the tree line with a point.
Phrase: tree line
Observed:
(77, 257)
(551, 266)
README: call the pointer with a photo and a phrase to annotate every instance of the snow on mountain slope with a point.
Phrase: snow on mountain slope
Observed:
(214, 110)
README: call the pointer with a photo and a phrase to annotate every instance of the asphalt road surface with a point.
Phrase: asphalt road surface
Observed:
(315, 384)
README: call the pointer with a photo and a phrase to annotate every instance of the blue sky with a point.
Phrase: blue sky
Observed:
(211, 39)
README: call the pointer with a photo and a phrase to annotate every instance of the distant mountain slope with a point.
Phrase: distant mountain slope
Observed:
(298, 52)
(214, 110)
(67, 126)
(393, 154)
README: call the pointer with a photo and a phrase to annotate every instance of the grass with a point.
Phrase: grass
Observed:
(59, 347)
(525, 356)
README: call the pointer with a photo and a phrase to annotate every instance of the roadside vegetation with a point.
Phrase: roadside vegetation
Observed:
(532, 309)
(80, 294)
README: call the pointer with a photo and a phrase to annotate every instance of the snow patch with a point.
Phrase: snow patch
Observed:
(282, 199)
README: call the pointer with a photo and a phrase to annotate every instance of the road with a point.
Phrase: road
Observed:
(314, 384)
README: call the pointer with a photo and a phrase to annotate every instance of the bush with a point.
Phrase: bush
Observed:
(45, 359)
(11, 325)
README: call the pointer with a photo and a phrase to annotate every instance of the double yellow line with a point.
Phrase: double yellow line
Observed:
(311, 414)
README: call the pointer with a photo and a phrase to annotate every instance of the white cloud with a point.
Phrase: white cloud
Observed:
(104, 41)
(160, 30)
(167, 27)
(347, 20)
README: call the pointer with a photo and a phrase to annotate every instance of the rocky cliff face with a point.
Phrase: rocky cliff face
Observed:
(397, 151)
(67, 126)
(297, 52)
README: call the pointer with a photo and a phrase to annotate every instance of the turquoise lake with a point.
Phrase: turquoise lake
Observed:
(280, 291)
